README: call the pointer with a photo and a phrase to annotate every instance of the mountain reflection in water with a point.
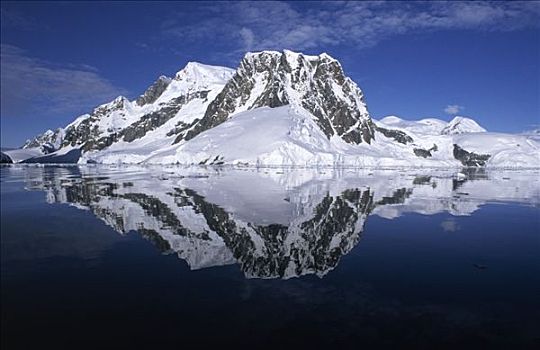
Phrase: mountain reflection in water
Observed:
(273, 223)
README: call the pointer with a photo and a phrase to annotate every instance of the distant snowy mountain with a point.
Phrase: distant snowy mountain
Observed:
(462, 139)
(432, 126)
(429, 126)
(461, 125)
(277, 108)
(47, 142)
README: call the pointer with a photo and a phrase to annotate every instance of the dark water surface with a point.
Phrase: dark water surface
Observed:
(96, 257)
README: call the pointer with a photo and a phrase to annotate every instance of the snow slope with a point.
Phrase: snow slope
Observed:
(264, 136)
(289, 135)
(286, 135)
(18, 155)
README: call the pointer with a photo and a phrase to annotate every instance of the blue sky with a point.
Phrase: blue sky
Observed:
(411, 59)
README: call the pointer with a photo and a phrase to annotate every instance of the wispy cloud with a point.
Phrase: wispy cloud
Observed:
(453, 109)
(248, 38)
(278, 25)
(14, 19)
(34, 86)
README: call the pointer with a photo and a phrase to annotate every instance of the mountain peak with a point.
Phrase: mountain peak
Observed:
(460, 125)
(262, 53)
(195, 71)
(314, 83)
(324, 55)
(116, 104)
(154, 91)
(289, 55)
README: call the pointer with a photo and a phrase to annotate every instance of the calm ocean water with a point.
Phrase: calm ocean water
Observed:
(163, 256)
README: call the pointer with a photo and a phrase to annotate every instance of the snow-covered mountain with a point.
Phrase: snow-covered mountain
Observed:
(461, 125)
(273, 224)
(315, 83)
(47, 142)
(131, 130)
(277, 108)
(464, 141)
(433, 126)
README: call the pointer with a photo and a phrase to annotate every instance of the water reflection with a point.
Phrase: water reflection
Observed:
(272, 223)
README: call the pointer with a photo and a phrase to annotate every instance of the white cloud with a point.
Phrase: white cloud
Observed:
(278, 25)
(453, 109)
(248, 38)
(32, 86)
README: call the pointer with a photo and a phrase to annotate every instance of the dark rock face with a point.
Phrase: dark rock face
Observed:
(422, 180)
(422, 152)
(398, 197)
(180, 128)
(273, 79)
(154, 91)
(469, 158)
(87, 133)
(47, 148)
(89, 137)
(156, 119)
(157, 209)
(425, 153)
(153, 236)
(5, 159)
(397, 135)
